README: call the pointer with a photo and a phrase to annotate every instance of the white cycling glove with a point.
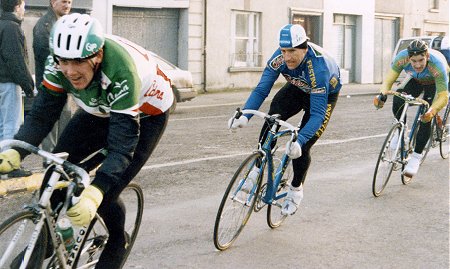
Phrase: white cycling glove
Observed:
(234, 123)
(294, 151)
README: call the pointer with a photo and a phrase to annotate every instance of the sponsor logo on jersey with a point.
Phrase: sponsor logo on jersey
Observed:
(312, 75)
(318, 90)
(276, 62)
(120, 89)
(333, 82)
(402, 62)
(300, 83)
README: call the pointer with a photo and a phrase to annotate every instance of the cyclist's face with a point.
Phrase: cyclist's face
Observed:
(293, 57)
(419, 62)
(80, 72)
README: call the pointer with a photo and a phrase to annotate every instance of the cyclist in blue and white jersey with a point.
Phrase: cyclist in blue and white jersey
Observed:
(427, 72)
(313, 84)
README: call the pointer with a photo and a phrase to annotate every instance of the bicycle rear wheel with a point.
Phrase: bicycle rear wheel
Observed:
(274, 216)
(236, 205)
(444, 136)
(20, 228)
(387, 159)
(429, 144)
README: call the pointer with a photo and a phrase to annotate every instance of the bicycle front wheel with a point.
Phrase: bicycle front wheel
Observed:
(236, 206)
(274, 216)
(133, 198)
(387, 159)
(97, 233)
(15, 234)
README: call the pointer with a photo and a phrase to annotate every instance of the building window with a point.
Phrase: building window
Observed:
(245, 41)
(345, 29)
(416, 32)
(312, 25)
(434, 4)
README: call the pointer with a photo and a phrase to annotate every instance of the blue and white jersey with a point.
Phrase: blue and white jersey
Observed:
(317, 75)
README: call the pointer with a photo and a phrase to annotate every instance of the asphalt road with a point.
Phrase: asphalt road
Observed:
(339, 224)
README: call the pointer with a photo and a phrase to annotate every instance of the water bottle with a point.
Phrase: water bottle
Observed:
(65, 230)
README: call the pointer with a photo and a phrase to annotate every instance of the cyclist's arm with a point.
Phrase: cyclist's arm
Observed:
(319, 104)
(123, 130)
(398, 63)
(122, 139)
(441, 81)
(273, 68)
(391, 76)
(262, 90)
(40, 120)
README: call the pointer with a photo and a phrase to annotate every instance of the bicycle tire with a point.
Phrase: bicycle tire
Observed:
(429, 144)
(274, 216)
(443, 135)
(405, 179)
(385, 163)
(133, 198)
(22, 220)
(96, 236)
(233, 207)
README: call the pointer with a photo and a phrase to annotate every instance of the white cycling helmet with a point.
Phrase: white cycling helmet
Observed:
(76, 36)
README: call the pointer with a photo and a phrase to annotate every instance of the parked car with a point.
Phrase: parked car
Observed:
(182, 84)
(434, 42)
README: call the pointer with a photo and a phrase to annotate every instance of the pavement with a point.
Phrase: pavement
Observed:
(239, 96)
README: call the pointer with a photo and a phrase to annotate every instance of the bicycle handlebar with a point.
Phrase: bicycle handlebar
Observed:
(265, 116)
(409, 98)
(81, 175)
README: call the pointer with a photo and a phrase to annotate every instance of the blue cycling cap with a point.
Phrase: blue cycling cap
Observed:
(292, 35)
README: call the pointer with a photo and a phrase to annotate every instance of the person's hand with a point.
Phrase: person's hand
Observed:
(83, 212)
(9, 160)
(234, 123)
(294, 151)
(379, 100)
(428, 116)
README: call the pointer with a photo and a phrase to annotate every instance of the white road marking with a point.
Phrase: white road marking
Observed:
(319, 143)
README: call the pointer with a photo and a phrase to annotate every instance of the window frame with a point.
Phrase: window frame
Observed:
(253, 54)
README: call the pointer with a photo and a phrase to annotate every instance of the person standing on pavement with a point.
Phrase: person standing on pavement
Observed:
(41, 34)
(313, 84)
(14, 74)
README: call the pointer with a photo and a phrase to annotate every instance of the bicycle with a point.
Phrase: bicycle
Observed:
(392, 157)
(440, 132)
(20, 233)
(275, 169)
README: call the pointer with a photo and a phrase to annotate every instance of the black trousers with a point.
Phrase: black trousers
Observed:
(90, 134)
(415, 89)
(288, 102)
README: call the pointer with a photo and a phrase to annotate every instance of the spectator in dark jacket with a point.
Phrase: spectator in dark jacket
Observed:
(41, 33)
(14, 73)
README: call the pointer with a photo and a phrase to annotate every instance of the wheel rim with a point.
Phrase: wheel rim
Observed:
(235, 209)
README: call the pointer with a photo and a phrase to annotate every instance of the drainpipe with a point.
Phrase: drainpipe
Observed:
(204, 43)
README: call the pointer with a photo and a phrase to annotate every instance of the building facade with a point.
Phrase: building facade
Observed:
(225, 44)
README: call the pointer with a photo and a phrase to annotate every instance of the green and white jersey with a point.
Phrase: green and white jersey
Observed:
(129, 81)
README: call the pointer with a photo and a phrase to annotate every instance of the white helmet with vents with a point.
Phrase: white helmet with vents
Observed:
(76, 36)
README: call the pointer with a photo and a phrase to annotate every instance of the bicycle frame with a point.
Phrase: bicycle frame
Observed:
(409, 101)
(273, 179)
(44, 213)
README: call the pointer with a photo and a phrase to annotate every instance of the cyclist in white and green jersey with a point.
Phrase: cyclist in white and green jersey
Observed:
(124, 99)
